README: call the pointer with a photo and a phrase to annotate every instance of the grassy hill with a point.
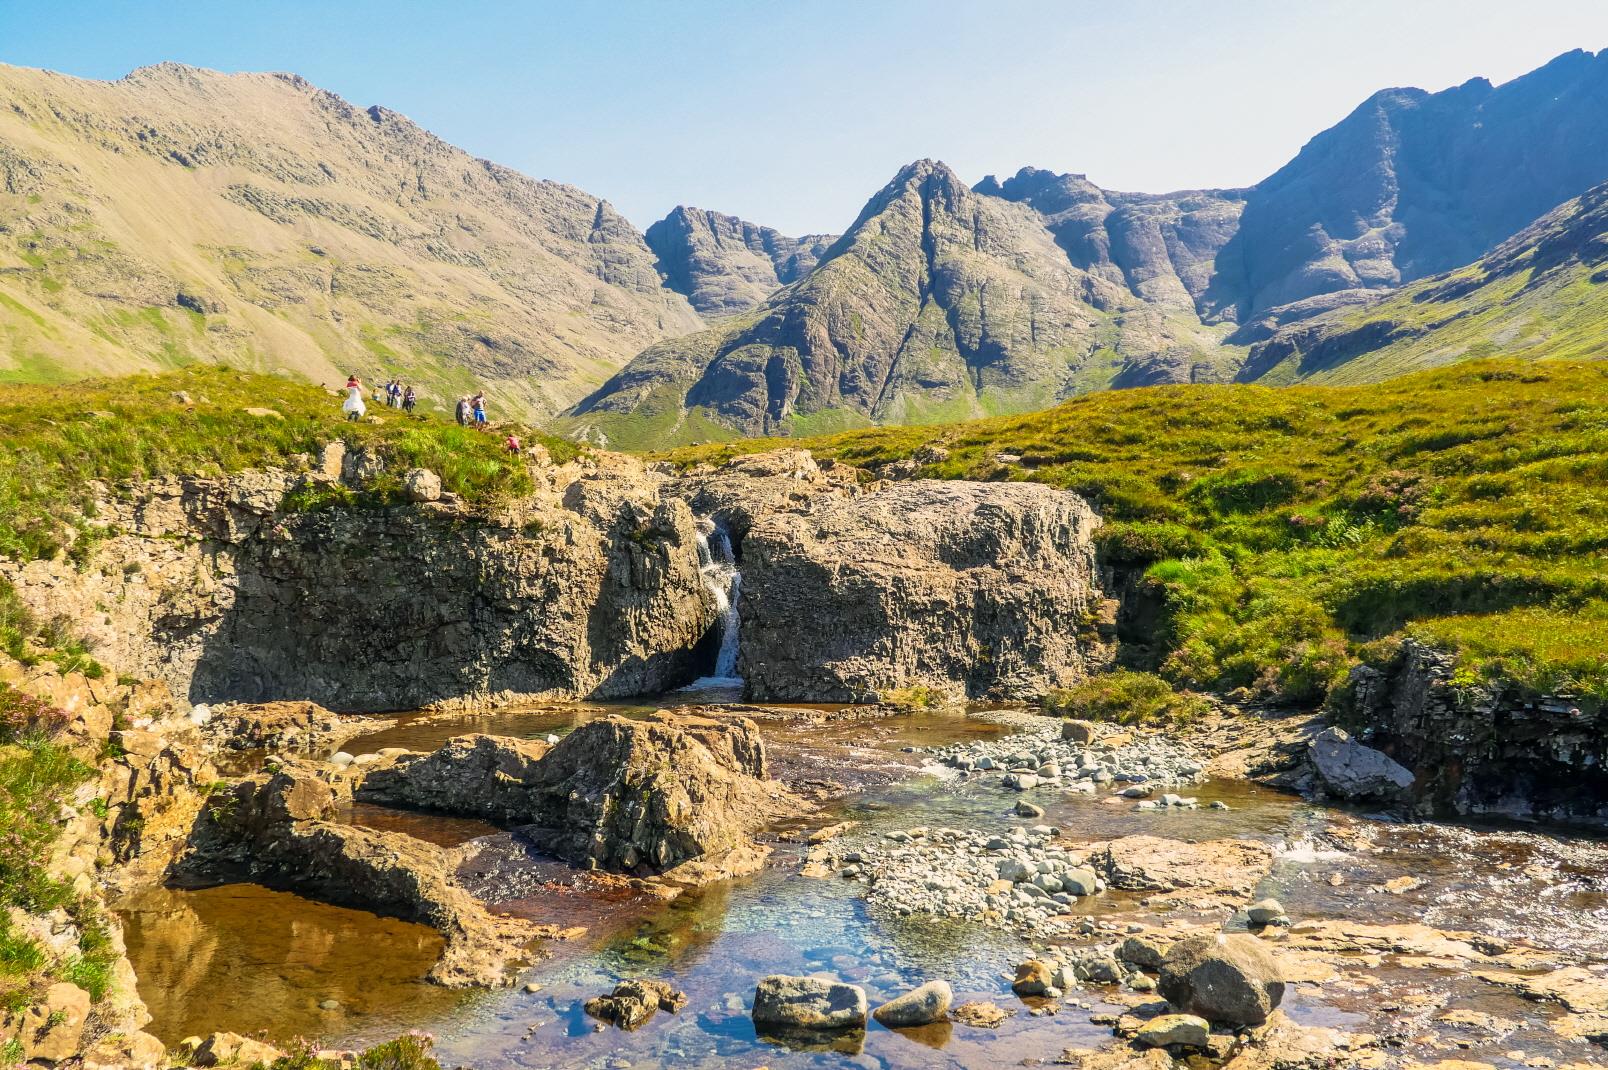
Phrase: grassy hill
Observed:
(1290, 532)
(206, 420)
(1543, 294)
(181, 215)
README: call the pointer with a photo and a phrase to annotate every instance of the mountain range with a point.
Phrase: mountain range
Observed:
(180, 214)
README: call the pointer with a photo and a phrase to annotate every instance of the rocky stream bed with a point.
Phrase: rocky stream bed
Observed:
(949, 845)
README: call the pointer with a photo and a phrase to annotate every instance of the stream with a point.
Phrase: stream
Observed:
(247, 958)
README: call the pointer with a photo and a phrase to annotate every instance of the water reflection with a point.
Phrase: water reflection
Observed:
(245, 958)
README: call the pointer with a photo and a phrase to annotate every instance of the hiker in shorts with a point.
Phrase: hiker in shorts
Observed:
(479, 406)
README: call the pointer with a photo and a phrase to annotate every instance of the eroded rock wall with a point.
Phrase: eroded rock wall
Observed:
(852, 589)
(588, 588)
(1475, 748)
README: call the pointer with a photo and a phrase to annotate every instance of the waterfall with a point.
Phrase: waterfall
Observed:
(717, 564)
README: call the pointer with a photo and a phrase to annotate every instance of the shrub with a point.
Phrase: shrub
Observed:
(1125, 697)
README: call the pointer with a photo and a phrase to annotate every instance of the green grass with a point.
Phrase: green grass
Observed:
(1125, 697)
(1286, 529)
(55, 439)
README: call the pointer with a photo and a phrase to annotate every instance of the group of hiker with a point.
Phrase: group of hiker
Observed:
(471, 408)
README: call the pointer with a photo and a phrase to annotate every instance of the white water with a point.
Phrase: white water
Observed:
(718, 566)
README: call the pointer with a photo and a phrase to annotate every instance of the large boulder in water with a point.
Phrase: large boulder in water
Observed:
(1349, 770)
(635, 796)
(1230, 979)
(647, 795)
(966, 588)
(808, 1003)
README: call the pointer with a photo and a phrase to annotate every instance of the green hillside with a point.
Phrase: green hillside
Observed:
(1543, 294)
(206, 420)
(1290, 532)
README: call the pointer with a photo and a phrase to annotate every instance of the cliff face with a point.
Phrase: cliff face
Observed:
(724, 265)
(1476, 748)
(971, 590)
(591, 588)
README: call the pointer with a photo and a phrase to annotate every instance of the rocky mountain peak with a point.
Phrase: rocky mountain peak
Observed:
(725, 265)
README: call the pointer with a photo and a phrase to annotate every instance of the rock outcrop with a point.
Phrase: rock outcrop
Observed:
(280, 826)
(969, 589)
(1478, 747)
(631, 796)
(590, 587)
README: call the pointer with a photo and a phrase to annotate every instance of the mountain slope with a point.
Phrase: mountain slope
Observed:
(1161, 247)
(181, 214)
(938, 303)
(1411, 184)
(725, 265)
(1541, 294)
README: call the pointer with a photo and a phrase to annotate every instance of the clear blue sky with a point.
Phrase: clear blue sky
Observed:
(792, 112)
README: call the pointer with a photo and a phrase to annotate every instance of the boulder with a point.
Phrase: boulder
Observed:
(1265, 911)
(1142, 950)
(981, 1014)
(1349, 770)
(484, 775)
(1230, 979)
(227, 1049)
(845, 597)
(634, 1002)
(808, 1003)
(52, 1029)
(921, 1006)
(1079, 731)
(1174, 1030)
(1033, 978)
(421, 485)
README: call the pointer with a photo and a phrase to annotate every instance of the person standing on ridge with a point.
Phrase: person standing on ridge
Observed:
(409, 399)
(463, 412)
(479, 406)
(353, 407)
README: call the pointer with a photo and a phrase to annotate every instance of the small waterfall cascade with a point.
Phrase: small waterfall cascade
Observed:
(718, 566)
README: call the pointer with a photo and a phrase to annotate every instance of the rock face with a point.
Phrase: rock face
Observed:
(1479, 749)
(965, 588)
(1350, 770)
(616, 794)
(808, 1003)
(1229, 979)
(724, 265)
(588, 588)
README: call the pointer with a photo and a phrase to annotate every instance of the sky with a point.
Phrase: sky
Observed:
(792, 113)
